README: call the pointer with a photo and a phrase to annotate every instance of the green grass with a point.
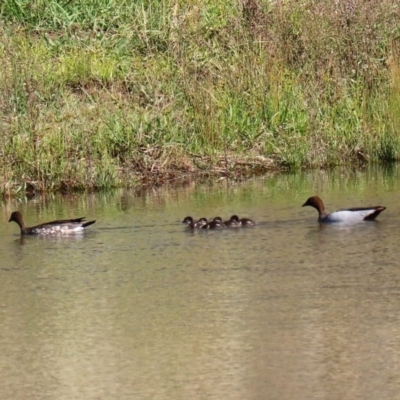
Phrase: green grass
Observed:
(110, 93)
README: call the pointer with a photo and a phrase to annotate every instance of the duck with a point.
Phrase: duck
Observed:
(350, 215)
(235, 222)
(190, 223)
(64, 226)
(216, 223)
(246, 222)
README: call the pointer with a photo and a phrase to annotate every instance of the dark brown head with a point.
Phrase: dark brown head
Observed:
(16, 216)
(187, 220)
(234, 218)
(315, 202)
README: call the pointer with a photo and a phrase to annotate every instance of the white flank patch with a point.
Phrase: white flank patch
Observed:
(347, 216)
(59, 230)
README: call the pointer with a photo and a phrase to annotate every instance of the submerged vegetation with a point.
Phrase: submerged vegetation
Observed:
(107, 93)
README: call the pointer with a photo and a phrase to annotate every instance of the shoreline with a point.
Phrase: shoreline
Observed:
(120, 96)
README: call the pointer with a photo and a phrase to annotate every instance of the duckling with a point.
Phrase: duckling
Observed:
(246, 222)
(190, 223)
(216, 223)
(235, 222)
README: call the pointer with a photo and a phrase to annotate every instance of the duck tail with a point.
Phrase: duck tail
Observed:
(88, 223)
(374, 214)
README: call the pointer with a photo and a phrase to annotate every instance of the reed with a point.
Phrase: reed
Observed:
(102, 94)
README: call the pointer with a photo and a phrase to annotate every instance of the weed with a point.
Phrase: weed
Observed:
(108, 93)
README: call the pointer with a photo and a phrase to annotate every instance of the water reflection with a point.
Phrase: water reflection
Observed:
(142, 307)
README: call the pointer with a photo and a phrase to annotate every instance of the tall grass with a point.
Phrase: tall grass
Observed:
(108, 93)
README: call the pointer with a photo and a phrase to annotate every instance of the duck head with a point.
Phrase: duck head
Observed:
(16, 216)
(315, 202)
(187, 220)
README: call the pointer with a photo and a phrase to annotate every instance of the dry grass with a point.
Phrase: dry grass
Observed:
(122, 93)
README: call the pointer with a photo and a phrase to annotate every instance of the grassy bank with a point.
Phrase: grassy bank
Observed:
(114, 93)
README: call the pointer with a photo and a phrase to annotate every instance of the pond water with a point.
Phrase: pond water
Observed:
(140, 308)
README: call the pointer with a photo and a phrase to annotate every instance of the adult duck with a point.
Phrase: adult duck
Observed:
(191, 223)
(64, 226)
(235, 222)
(350, 215)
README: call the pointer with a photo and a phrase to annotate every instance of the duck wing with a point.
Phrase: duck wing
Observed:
(352, 215)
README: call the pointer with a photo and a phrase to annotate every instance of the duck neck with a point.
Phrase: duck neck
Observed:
(319, 206)
(21, 224)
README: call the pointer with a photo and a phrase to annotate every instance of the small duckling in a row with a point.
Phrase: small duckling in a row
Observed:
(235, 222)
(191, 223)
(216, 223)
(202, 223)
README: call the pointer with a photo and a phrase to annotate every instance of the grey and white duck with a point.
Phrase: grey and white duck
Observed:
(64, 226)
(349, 215)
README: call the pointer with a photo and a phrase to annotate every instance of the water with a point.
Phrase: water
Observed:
(140, 308)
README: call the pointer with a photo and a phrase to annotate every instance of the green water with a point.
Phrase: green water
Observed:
(140, 308)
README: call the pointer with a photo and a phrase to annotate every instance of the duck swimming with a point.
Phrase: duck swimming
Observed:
(65, 226)
(216, 223)
(235, 222)
(350, 215)
(190, 223)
